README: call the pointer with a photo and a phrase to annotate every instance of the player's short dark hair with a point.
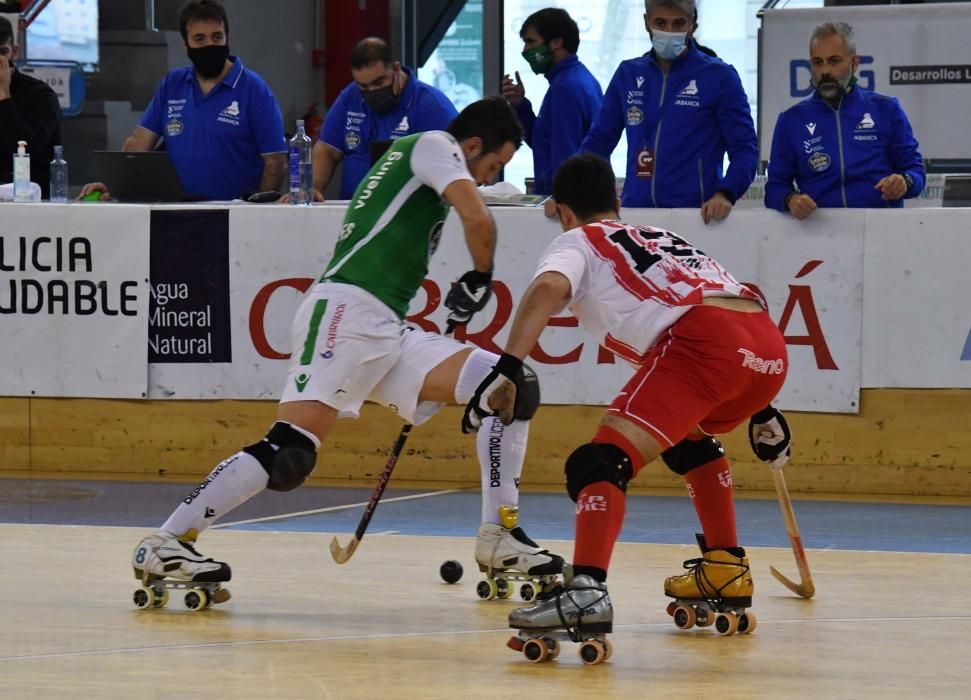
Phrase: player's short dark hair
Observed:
(369, 50)
(6, 31)
(202, 11)
(554, 23)
(492, 120)
(586, 184)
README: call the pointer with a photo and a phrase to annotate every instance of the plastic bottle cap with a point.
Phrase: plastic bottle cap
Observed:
(21, 148)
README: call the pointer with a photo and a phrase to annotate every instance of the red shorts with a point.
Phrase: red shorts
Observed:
(714, 368)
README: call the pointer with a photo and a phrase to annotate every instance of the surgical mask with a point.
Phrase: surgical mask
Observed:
(668, 45)
(539, 58)
(209, 60)
(381, 100)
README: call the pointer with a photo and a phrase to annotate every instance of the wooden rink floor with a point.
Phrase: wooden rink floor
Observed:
(882, 624)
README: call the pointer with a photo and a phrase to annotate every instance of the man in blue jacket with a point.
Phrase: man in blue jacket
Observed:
(384, 102)
(550, 41)
(682, 110)
(843, 146)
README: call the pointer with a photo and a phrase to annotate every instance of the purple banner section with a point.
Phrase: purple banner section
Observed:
(189, 308)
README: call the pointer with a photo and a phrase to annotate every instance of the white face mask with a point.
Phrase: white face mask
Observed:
(668, 45)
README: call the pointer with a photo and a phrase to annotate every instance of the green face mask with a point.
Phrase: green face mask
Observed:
(539, 58)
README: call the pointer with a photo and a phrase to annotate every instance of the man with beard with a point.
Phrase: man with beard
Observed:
(843, 146)
(384, 102)
(222, 125)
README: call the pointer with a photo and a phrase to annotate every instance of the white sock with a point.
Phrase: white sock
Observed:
(502, 451)
(233, 482)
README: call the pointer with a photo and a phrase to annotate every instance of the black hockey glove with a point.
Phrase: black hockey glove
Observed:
(505, 371)
(768, 434)
(468, 295)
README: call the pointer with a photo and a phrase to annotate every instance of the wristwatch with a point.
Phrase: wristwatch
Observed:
(908, 180)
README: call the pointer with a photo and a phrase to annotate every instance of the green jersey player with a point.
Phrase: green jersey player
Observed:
(351, 344)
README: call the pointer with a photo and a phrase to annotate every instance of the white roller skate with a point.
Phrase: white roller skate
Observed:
(162, 562)
(507, 556)
(715, 589)
(581, 613)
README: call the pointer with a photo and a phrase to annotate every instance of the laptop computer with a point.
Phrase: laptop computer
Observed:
(140, 176)
(957, 191)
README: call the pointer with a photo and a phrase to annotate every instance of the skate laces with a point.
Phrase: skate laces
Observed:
(696, 568)
(574, 632)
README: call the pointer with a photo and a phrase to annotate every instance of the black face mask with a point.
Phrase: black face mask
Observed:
(380, 100)
(209, 60)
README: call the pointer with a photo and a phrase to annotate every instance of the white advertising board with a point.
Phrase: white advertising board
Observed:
(74, 300)
(811, 273)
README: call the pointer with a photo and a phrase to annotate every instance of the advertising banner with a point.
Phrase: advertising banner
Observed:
(74, 299)
(189, 312)
(810, 272)
(917, 53)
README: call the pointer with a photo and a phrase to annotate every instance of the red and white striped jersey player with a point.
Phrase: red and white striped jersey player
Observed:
(708, 358)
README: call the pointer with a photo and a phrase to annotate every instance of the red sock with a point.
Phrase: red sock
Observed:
(710, 488)
(600, 516)
(600, 509)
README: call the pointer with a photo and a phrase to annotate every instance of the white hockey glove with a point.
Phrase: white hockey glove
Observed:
(768, 434)
(495, 395)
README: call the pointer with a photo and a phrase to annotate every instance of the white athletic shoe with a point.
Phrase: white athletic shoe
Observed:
(162, 555)
(499, 549)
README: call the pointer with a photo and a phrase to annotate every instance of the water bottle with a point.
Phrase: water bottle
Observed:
(59, 176)
(22, 191)
(301, 167)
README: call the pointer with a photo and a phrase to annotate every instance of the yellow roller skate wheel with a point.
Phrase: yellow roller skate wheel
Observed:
(487, 589)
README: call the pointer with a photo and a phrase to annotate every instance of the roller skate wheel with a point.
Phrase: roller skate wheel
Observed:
(197, 599)
(503, 589)
(161, 597)
(726, 624)
(536, 650)
(685, 617)
(747, 623)
(528, 591)
(592, 652)
(608, 649)
(220, 595)
(706, 618)
(144, 598)
(554, 647)
(672, 606)
(487, 589)
(515, 643)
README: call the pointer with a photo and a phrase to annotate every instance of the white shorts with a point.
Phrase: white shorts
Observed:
(349, 347)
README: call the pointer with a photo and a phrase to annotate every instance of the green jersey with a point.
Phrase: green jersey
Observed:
(394, 221)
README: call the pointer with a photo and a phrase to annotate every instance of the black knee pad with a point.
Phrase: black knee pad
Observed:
(287, 455)
(527, 393)
(691, 454)
(597, 461)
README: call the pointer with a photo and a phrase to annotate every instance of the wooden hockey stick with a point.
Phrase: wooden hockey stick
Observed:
(342, 554)
(805, 588)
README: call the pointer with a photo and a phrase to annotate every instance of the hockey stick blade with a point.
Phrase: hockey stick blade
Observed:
(342, 554)
(805, 588)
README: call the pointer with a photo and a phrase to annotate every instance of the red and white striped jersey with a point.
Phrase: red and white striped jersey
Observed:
(629, 284)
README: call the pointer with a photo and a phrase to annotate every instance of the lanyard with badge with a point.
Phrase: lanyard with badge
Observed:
(644, 161)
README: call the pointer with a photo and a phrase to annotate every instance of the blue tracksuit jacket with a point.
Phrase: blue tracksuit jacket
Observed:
(837, 155)
(690, 117)
(567, 112)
